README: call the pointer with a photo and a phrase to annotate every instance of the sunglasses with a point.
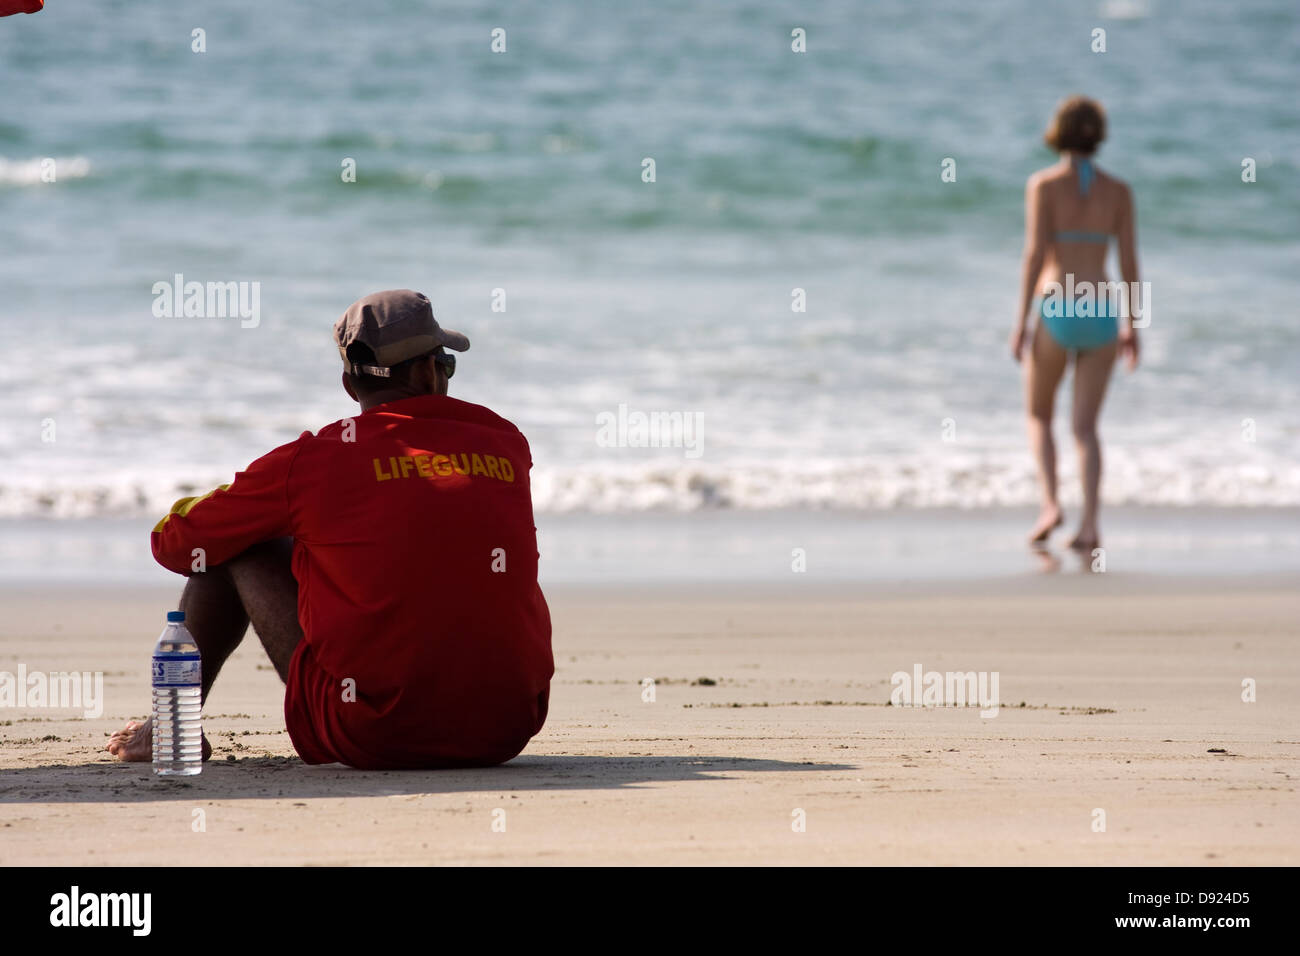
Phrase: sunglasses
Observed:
(447, 362)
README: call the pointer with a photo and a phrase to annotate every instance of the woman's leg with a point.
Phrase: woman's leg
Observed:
(1043, 374)
(1091, 375)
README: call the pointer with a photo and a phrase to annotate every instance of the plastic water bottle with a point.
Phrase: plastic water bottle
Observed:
(177, 701)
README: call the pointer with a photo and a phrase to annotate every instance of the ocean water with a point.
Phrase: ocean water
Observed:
(522, 171)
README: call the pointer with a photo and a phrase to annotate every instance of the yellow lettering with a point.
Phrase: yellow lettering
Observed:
(491, 462)
(422, 466)
(507, 469)
(441, 465)
(380, 474)
(407, 464)
(478, 465)
(463, 467)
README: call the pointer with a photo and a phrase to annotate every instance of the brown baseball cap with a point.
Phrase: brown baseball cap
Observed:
(396, 325)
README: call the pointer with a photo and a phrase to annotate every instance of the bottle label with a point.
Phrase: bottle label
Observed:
(177, 672)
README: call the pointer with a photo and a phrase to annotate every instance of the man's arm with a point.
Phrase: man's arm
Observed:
(230, 519)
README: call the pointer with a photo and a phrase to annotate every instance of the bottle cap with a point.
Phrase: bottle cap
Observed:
(175, 616)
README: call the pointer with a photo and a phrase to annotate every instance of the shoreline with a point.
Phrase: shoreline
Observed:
(733, 547)
(1078, 583)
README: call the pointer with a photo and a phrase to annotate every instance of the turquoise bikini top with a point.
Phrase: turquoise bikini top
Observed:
(1083, 167)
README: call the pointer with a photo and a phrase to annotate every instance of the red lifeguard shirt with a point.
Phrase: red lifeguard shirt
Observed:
(416, 559)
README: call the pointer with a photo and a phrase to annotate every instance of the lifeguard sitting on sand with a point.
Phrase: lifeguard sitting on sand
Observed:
(388, 563)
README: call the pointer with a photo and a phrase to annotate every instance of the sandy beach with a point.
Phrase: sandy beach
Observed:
(1119, 694)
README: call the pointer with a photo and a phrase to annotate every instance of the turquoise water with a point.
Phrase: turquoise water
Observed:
(522, 171)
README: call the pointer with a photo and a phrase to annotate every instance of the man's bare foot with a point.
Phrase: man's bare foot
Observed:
(1048, 520)
(134, 742)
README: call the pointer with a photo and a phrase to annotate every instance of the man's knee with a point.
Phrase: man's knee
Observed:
(276, 549)
(263, 576)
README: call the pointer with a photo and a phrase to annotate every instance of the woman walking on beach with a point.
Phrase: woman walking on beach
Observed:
(1072, 209)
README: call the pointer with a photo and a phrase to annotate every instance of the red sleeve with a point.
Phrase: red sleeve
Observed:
(230, 519)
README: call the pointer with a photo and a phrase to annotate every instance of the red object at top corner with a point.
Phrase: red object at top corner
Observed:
(9, 7)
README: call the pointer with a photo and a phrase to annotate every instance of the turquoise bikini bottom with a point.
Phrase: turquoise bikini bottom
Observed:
(1074, 331)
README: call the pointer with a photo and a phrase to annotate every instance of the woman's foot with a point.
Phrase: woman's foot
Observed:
(1087, 540)
(134, 742)
(1048, 520)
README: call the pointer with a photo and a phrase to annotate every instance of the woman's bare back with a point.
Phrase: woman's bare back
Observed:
(1072, 223)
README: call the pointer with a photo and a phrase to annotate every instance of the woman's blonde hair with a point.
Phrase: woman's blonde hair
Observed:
(1078, 125)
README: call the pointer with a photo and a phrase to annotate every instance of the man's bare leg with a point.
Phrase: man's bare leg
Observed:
(256, 586)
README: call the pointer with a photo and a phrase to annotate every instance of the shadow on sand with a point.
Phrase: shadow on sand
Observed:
(252, 778)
